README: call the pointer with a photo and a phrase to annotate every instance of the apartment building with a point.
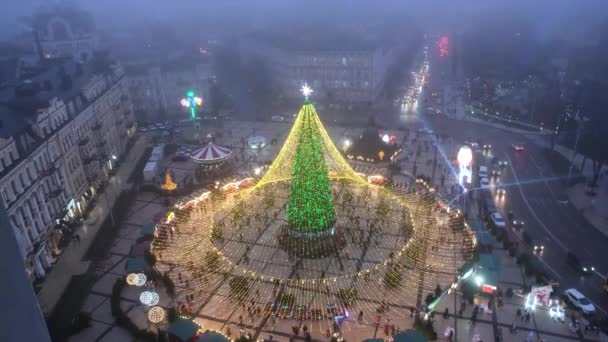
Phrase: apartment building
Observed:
(61, 131)
(339, 70)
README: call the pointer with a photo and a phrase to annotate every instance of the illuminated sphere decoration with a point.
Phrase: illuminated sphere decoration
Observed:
(149, 298)
(132, 278)
(465, 156)
(141, 279)
(156, 314)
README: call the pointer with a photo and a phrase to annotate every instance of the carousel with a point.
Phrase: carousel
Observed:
(211, 159)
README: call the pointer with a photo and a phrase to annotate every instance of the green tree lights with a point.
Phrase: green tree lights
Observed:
(311, 206)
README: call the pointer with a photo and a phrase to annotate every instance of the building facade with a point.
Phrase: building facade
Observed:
(65, 33)
(63, 130)
(157, 89)
(338, 73)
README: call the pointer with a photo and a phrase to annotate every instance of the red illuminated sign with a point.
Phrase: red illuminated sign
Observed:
(443, 46)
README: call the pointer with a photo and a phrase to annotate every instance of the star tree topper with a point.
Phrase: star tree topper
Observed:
(306, 90)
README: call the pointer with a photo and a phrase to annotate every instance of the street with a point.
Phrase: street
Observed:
(534, 192)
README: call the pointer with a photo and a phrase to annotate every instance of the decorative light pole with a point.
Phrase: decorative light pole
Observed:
(192, 102)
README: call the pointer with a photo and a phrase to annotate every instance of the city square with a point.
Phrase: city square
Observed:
(397, 171)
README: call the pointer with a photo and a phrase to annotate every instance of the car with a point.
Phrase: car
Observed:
(487, 146)
(517, 224)
(502, 163)
(579, 301)
(483, 171)
(500, 189)
(579, 264)
(518, 147)
(473, 145)
(497, 220)
(485, 183)
(538, 247)
(496, 173)
(209, 117)
(278, 118)
(425, 130)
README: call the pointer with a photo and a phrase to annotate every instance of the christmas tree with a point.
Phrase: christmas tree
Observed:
(311, 207)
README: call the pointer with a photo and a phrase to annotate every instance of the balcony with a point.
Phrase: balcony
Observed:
(49, 170)
(83, 141)
(88, 160)
(92, 174)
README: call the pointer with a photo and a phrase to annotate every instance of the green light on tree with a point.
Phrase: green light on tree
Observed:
(311, 207)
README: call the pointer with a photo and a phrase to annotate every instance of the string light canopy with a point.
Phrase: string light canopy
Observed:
(355, 244)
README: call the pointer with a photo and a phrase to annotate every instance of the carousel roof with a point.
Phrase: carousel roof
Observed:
(211, 153)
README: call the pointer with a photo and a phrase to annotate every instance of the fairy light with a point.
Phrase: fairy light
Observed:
(208, 242)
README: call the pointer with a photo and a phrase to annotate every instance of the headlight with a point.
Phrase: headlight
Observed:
(584, 269)
(592, 268)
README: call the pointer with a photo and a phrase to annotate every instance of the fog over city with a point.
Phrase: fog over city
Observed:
(281, 170)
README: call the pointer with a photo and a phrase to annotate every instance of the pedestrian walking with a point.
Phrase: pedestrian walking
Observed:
(513, 328)
(360, 318)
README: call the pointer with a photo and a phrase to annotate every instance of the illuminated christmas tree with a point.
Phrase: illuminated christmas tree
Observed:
(169, 184)
(311, 206)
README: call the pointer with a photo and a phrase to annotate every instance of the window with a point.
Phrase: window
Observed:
(3, 162)
(12, 157)
(14, 187)
(31, 236)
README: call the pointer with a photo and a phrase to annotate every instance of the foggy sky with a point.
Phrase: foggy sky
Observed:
(112, 15)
